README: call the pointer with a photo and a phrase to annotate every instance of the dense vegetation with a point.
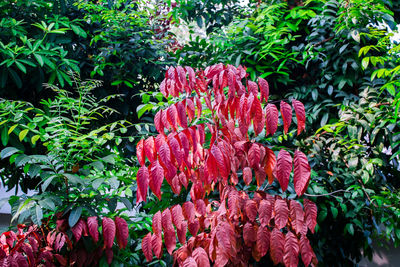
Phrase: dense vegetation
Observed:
(96, 110)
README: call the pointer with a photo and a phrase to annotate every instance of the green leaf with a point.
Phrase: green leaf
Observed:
(4, 136)
(22, 134)
(12, 129)
(39, 214)
(20, 66)
(47, 182)
(8, 151)
(74, 179)
(96, 183)
(349, 228)
(39, 59)
(74, 216)
(334, 212)
(365, 62)
(35, 138)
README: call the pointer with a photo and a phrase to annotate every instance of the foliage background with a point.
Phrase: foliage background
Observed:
(337, 57)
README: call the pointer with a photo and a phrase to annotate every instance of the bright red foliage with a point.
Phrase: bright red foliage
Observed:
(231, 110)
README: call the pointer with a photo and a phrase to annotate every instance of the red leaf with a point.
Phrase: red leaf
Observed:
(181, 115)
(254, 156)
(172, 116)
(264, 88)
(283, 169)
(140, 152)
(77, 230)
(109, 255)
(219, 158)
(300, 115)
(122, 232)
(271, 120)
(277, 245)
(307, 254)
(200, 207)
(156, 223)
(146, 247)
(263, 237)
(247, 175)
(225, 236)
(190, 108)
(265, 212)
(170, 239)
(286, 111)
(142, 179)
(93, 228)
(201, 257)
(181, 232)
(149, 149)
(194, 227)
(189, 262)
(156, 178)
(251, 209)
(302, 172)
(176, 150)
(199, 106)
(297, 216)
(269, 164)
(156, 244)
(310, 210)
(249, 234)
(177, 216)
(252, 87)
(164, 155)
(291, 257)
(281, 213)
(158, 123)
(188, 211)
(108, 232)
(166, 220)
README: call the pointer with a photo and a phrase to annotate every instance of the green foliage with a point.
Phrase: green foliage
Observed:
(78, 173)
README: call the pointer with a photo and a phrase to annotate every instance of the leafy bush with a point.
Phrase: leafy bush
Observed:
(212, 161)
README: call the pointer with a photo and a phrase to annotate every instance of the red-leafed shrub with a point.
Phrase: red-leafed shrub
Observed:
(207, 140)
(63, 246)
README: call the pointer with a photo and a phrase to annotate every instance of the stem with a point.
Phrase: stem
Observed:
(327, 194)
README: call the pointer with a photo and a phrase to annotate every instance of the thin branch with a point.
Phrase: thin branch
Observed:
(327, 194)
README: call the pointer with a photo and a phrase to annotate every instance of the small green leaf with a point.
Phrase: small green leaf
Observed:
(12, 129)
(334, 212)
(35, 138)
(22, 134)
(349, 228)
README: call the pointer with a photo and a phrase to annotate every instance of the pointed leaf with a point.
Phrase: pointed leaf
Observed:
(310, 210)
(142, 179)
(300, 115)
(146, 247)
(108, 232)
(264, 88)
(249, 234)
(263, 237)
(286, 111)
(254, 156)
(156, 178)
(93, 226)
(122, 232)
(201, 257)
(271, 120)
(302, 172)
(277, 246)
(140, 152)
(283, 169)
(281, 213)
(306, 251)
(291, 257)
(170, 240)
(265, 212)
(247, 175)
(157, 223)
(156, 244)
